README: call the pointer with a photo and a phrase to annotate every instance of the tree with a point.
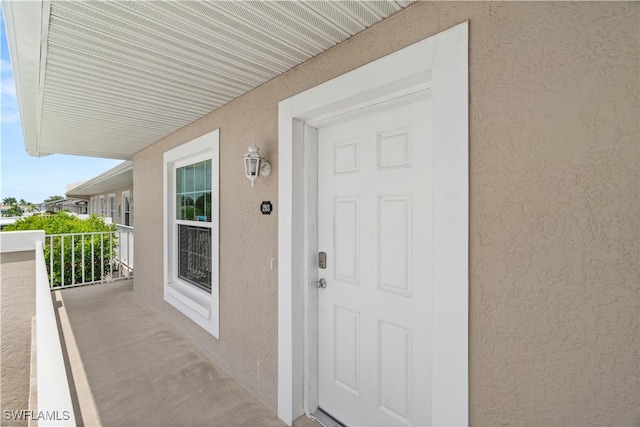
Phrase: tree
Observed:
(53, 198)
(8, 201)
(31, 207)
(14, 210)
(99, 247)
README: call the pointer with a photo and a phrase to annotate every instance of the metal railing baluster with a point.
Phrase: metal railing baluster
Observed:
(83, 278)
(93, 270)
(51, 261)
(101, 256)
(120, 252)
(111, 255)
(73, 259)
(62, 260)
(128, 254)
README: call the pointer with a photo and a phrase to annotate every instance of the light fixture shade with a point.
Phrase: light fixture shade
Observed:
(254, 164)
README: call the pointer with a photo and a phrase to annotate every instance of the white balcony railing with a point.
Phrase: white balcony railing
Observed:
(76, 259)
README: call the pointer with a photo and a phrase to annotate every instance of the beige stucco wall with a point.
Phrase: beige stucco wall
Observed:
(17, 308)
(554, 209)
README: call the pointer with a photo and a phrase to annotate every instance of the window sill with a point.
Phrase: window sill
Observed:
(192, 302)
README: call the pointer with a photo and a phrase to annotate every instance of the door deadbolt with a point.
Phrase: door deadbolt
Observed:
(322, 260)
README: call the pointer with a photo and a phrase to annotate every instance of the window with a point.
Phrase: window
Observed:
(101, 210)
(191, 230)
(193, 216)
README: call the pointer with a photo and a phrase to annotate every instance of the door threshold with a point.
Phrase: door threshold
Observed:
(325, 419)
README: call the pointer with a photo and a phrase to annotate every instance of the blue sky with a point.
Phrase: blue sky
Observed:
(34, 178)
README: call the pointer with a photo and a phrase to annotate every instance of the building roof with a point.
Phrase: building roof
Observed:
(119, 176)
(64, 202)
(107, 79)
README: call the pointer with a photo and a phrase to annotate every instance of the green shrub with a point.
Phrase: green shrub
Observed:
(65, 247)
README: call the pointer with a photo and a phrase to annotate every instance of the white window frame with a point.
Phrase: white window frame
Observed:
(200, 306)
(101, 206)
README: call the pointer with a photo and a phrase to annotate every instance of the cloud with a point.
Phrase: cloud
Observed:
(5, 66)
(10, 112)
(8, 89)
(9, 100)
(10, 116)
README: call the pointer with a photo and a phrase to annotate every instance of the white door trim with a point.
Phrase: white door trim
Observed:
(441, 62)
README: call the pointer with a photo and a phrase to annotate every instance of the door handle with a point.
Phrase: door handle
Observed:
(320, 284)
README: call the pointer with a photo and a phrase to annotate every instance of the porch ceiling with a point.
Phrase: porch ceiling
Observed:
(107, 79)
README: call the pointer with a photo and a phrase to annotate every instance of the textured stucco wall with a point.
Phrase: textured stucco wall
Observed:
(554, 209)
(17, 307)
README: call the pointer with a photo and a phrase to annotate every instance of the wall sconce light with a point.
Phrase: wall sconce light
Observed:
(254, 164)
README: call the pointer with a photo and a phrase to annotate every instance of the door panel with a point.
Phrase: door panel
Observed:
(394, 357)
(374, 223)
(347, 349)
(395, 244)
(346, 224)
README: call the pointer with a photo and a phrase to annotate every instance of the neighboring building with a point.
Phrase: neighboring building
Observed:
(26, 209)
(463, 175)
(5, 221)
(109, 194)
(68, 204)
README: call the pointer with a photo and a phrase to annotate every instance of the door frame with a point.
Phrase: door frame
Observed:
(438, 63)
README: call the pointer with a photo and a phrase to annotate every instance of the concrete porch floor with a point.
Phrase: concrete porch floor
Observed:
(129, 367)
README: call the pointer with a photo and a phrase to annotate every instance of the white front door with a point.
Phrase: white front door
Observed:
(375, 225)
(126, 199)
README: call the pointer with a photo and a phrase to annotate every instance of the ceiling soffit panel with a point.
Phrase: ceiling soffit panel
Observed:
(121, 75)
